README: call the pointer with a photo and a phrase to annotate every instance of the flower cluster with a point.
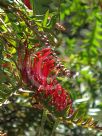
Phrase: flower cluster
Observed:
(39, 70)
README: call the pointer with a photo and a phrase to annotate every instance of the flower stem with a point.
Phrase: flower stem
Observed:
(41, 130)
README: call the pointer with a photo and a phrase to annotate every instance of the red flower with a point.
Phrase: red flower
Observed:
(40, 71)
(27, 3)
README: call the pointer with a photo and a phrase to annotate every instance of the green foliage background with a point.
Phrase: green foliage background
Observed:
(80, 50)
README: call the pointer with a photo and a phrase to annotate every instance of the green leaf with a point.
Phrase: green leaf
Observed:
(45, 19)
(53, 21)
(40, 6)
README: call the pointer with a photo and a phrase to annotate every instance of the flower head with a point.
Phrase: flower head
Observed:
(40, 71)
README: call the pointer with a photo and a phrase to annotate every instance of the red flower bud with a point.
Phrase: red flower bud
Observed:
(27, 3)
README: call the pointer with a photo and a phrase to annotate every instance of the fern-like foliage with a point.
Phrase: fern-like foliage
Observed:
(81, 121)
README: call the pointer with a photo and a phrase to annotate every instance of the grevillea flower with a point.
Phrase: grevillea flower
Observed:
(27, 3)
(39, 71)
